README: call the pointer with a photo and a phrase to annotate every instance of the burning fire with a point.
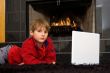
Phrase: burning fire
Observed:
(64, 22)
(75, 24)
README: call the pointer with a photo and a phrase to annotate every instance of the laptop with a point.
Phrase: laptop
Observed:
(85, 48)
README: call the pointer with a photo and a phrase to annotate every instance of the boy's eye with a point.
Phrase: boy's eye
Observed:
(42, 31)
(45, 31)
(39, 30)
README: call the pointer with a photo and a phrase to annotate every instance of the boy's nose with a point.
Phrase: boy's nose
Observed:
(43, 33)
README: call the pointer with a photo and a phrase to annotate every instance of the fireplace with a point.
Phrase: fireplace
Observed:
(63, 15)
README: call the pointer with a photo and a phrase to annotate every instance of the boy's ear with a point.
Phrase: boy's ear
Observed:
(31, 33)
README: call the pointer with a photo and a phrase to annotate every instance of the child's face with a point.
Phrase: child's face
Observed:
(40, 34)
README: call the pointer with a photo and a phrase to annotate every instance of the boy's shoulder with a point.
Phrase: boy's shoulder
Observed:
(49, 39)
(28, 41)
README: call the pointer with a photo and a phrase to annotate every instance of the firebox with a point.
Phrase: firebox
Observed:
(63, 15)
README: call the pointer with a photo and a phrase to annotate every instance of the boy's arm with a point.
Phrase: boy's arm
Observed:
(51, 53)
(51, 57)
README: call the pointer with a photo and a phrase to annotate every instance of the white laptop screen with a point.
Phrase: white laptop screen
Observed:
(85, 48)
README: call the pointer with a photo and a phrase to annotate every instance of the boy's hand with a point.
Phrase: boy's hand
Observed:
(53, 62)
(21, 64)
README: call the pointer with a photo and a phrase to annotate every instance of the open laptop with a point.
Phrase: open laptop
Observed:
(85, 48)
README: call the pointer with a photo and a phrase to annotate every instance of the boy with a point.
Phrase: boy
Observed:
(38, 49)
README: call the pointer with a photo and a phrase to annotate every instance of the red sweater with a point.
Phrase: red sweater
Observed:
(31, 54)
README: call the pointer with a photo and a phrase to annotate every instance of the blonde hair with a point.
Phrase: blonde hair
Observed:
(39, 23)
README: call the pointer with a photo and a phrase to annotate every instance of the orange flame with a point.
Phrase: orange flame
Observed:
(62, 22)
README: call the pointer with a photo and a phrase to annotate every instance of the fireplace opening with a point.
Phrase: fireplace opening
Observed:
(63, 15)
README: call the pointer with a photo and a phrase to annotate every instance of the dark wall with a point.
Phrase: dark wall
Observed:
(15, 20)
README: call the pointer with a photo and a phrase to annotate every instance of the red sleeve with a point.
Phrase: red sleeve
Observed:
(29, 54)
(14, 55)
(51, 53)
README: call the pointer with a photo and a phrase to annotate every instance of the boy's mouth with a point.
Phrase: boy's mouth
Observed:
(42, 38)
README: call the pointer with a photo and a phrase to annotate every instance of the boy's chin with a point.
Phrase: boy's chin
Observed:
(42, 41)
